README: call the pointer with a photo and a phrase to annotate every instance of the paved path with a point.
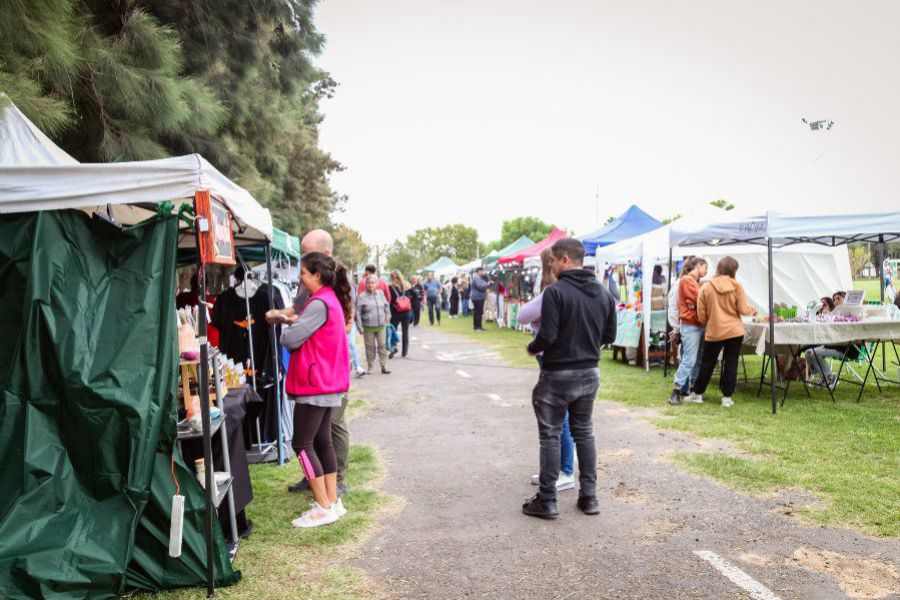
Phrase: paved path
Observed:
(459, 438)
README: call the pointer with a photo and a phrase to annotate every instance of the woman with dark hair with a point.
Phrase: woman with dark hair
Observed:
(530, 314)
(401, 310)
(318, 378)
(454, 298)
(720, 304)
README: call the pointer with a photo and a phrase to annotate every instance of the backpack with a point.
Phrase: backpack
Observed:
(402, 303)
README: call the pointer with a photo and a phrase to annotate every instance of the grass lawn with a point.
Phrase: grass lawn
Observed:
(846, 454)
(281, 561)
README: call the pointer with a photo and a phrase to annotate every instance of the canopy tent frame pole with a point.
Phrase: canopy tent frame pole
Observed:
(882, 290)
(203, 392)
(668, 291)
(275, 362)
(772, 363)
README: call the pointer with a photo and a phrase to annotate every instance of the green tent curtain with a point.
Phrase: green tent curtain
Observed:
(88, 375)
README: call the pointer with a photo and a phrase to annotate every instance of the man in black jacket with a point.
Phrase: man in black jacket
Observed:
(578, 316)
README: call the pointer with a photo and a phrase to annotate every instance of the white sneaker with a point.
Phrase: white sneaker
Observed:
(360, 371)
(565, 482)
(727, 402)
(339, 508)
(695, 398)
(316, 516)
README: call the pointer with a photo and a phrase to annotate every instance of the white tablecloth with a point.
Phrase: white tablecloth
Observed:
(820, 334)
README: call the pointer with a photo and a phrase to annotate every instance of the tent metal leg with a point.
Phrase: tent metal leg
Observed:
(276, 363)
(668, 344)
(203, 376)
(772, 361)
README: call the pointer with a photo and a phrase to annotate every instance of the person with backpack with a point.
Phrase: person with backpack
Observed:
(401, 309)
(372, 317)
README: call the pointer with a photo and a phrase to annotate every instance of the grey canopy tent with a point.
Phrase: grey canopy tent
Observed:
(774, 229)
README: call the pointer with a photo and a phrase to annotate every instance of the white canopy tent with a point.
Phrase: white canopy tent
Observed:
(469, 267)
(774, 229)
(35, 175)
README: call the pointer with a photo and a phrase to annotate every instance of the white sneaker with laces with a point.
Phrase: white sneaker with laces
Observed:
(339, 508)
(360, 372)
(727, 402)
(695, 398)
(316, 517)
(565, 482)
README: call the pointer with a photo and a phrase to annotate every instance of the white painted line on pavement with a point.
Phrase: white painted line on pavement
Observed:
(425, 347)
(494, 397)
(463, 374)
(756, 590)
(414, 338)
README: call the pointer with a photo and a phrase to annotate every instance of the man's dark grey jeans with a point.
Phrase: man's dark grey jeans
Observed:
(556, 392)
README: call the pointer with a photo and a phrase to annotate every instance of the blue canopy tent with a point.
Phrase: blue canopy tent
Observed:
(631, 223)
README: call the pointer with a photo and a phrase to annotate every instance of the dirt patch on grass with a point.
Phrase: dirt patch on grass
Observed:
(628, 494)
(614, 455)
(756, 560)
(864, 578)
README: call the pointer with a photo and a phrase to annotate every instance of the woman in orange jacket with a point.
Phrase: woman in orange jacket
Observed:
(720, 304)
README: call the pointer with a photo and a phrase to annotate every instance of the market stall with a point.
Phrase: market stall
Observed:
(774, 229)
(805, 271)
(90, 359)
(519, 286)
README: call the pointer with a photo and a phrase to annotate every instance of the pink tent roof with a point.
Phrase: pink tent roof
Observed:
(534, 250)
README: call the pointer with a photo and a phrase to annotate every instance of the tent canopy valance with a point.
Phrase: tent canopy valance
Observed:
(786, 229)
(534, 249)
(631, 223)
(37, 175)
(520, 244)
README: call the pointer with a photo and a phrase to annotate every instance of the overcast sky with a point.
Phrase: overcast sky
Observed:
(478, 111)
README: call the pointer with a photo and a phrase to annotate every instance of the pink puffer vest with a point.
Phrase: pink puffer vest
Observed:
(322, 364)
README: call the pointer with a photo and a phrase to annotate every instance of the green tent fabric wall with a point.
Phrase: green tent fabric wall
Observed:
(88, 375)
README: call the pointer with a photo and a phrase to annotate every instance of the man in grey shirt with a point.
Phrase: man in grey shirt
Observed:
(319, 240)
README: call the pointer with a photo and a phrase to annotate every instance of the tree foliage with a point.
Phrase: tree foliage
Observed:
(140, 79)
(531, 227)
(349, 246)
(424, 246)
(723, 204)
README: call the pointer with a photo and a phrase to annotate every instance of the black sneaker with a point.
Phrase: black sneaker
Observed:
(589, 505)
(675, 398)
(546, 509)
(300, 486)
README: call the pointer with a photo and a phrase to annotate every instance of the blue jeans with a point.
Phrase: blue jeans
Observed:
(566, 441)
(354, 354)
(464, 307)
(691, 346)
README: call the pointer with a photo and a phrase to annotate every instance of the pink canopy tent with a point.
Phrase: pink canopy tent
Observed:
(535, 249)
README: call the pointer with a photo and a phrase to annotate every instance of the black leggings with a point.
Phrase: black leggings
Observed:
(401, 322)
(312, 440)
(731, 353)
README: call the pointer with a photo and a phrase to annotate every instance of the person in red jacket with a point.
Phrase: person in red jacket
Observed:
(691, 330)
(370, 270)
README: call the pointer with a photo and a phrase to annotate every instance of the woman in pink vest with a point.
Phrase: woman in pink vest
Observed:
(317, 378)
